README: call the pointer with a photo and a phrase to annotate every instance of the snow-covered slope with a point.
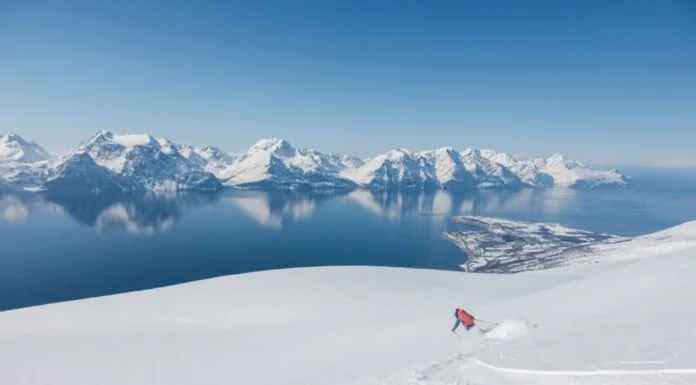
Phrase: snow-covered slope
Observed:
(14, 148)
(78, 173)
(318, 326)
(275, 163)
(151, 163)
(627, 323)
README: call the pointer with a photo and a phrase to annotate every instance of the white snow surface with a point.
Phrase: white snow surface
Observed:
(131, 140)
(625, 321)
(629, 325)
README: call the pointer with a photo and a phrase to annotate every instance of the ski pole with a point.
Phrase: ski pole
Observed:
(486, 322)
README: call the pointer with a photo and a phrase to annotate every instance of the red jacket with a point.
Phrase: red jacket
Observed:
(465, 317)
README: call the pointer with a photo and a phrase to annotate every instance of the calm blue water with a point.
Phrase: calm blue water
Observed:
(62, 249)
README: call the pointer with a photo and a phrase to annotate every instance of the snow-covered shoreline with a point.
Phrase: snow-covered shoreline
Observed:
(507, 246)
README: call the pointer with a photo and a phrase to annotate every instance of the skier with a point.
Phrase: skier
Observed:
(463, 317)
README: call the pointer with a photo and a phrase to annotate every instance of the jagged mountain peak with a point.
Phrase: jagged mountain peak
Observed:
(210, 148)
(125, 142)
(441, 153)
(274, 162)
(14, 148)
(560, 160)
(211, 152)
(151, 163)
(271, 144)
(557, 158)
(211, 158)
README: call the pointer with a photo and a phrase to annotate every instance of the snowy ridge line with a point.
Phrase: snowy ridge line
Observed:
(608, 372)
(127, 162)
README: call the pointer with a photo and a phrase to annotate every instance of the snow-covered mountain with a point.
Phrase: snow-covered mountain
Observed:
(566, 172)
(275, 163)
(149, 163)
(78, 173)
(395, 169)
(144, 162)
(556, 170)
(474, 169)
(21, 163)
(14, 148)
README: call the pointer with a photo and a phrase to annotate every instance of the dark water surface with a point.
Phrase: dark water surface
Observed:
(68, 248)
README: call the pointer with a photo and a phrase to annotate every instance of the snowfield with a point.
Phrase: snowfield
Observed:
(619, 320)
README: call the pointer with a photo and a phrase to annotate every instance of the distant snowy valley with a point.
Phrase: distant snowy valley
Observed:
(109, 162)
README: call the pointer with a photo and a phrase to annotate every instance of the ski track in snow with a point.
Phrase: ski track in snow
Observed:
(447, 371)
(632, 372)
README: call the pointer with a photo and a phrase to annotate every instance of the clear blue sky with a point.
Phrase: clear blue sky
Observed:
(602, 81)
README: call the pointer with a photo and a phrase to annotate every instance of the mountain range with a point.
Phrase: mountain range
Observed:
(109, 162)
